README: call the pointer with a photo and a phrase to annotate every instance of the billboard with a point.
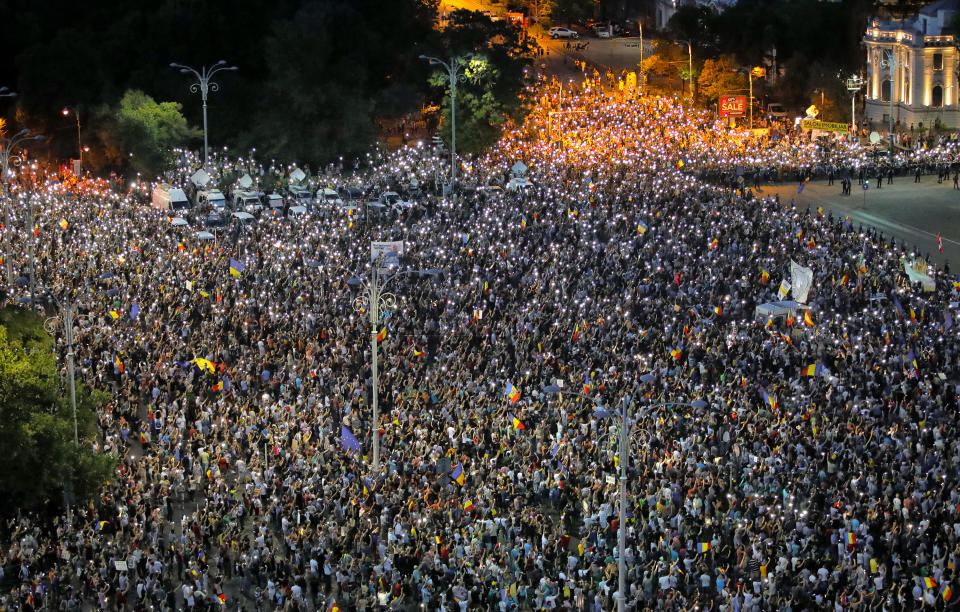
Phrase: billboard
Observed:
(733, 106)
(824, 126)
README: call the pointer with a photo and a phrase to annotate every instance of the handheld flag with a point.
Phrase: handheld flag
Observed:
(516, 422)
(457, 475)
(851, 538)
(382, 335)
(118, 363)
(641, 228)
(236, 267)
(512, 393)
(100, 525)
(349, 441)
(205, 365)
(576, 331)
(808, 319)
(784, 288)
(814, 369)
(929, 582)
(764, 276)
(705, 546)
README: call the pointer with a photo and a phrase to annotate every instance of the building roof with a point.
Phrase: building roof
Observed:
(943, 5)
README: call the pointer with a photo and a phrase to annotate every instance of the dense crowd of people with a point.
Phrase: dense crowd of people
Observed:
(821, 472)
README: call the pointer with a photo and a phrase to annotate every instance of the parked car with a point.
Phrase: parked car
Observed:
(563, 33)
(301, 194)
(168, 197)
(247, 201)
(213, 197)
(775, 110)
(519, 183)
(328, 198)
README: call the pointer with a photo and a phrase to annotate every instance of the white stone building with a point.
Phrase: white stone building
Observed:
(913, 62)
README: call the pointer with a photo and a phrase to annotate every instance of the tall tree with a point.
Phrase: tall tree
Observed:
(570, 11)
(493, 56)
(36, 421)
(719, 77)
(334, 66)
(148, 129)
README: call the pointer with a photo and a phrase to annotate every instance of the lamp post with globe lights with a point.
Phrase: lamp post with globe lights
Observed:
(204, 85)
(626, 421)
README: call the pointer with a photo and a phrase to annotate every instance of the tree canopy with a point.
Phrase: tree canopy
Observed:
(41, 462)
(147, 129)
(493, 57)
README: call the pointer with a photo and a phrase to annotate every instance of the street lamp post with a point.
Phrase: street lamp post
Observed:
(623, 458)
(67, 315)
(453, 74)
(890, 61)
(690, 60)
(204, 85)
(374, 301)
(76, 114)
(7, 158)
(854, 84)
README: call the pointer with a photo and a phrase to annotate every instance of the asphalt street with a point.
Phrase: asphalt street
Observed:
(906, 210)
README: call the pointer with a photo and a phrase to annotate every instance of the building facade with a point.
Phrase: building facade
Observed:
(912, 70)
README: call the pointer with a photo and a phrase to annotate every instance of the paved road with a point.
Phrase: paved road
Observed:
(909, 211)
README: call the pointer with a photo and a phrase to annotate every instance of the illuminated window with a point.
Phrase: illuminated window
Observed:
(936, 97)
(885, 90)
(938, 61)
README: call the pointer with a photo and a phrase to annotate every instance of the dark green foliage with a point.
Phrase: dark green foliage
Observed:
(494, 57)
(36, 422)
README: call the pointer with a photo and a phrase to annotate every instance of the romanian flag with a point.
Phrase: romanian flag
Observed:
(851, 538)
(718, 310)
(704, 547)
(236, 267)
(912, 360)
(770, 400)
(417, 353)
(929, 582)
(64, 225)
(764, 276)
(468, 505)
(333, 607)
(203, 364)
(118, 363)
(516, 422)
(576, 331)
(512, 393)
(946, 592)
(814, 369)
(181, 246)
(457, 475)
(114, 314)
(913, 315)
(641, 228)
(714, 244)
(100, 525)
(218, 386)
(677, 353)
(808, 319)
(523, 222)
(382, 335)
(222, 598)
